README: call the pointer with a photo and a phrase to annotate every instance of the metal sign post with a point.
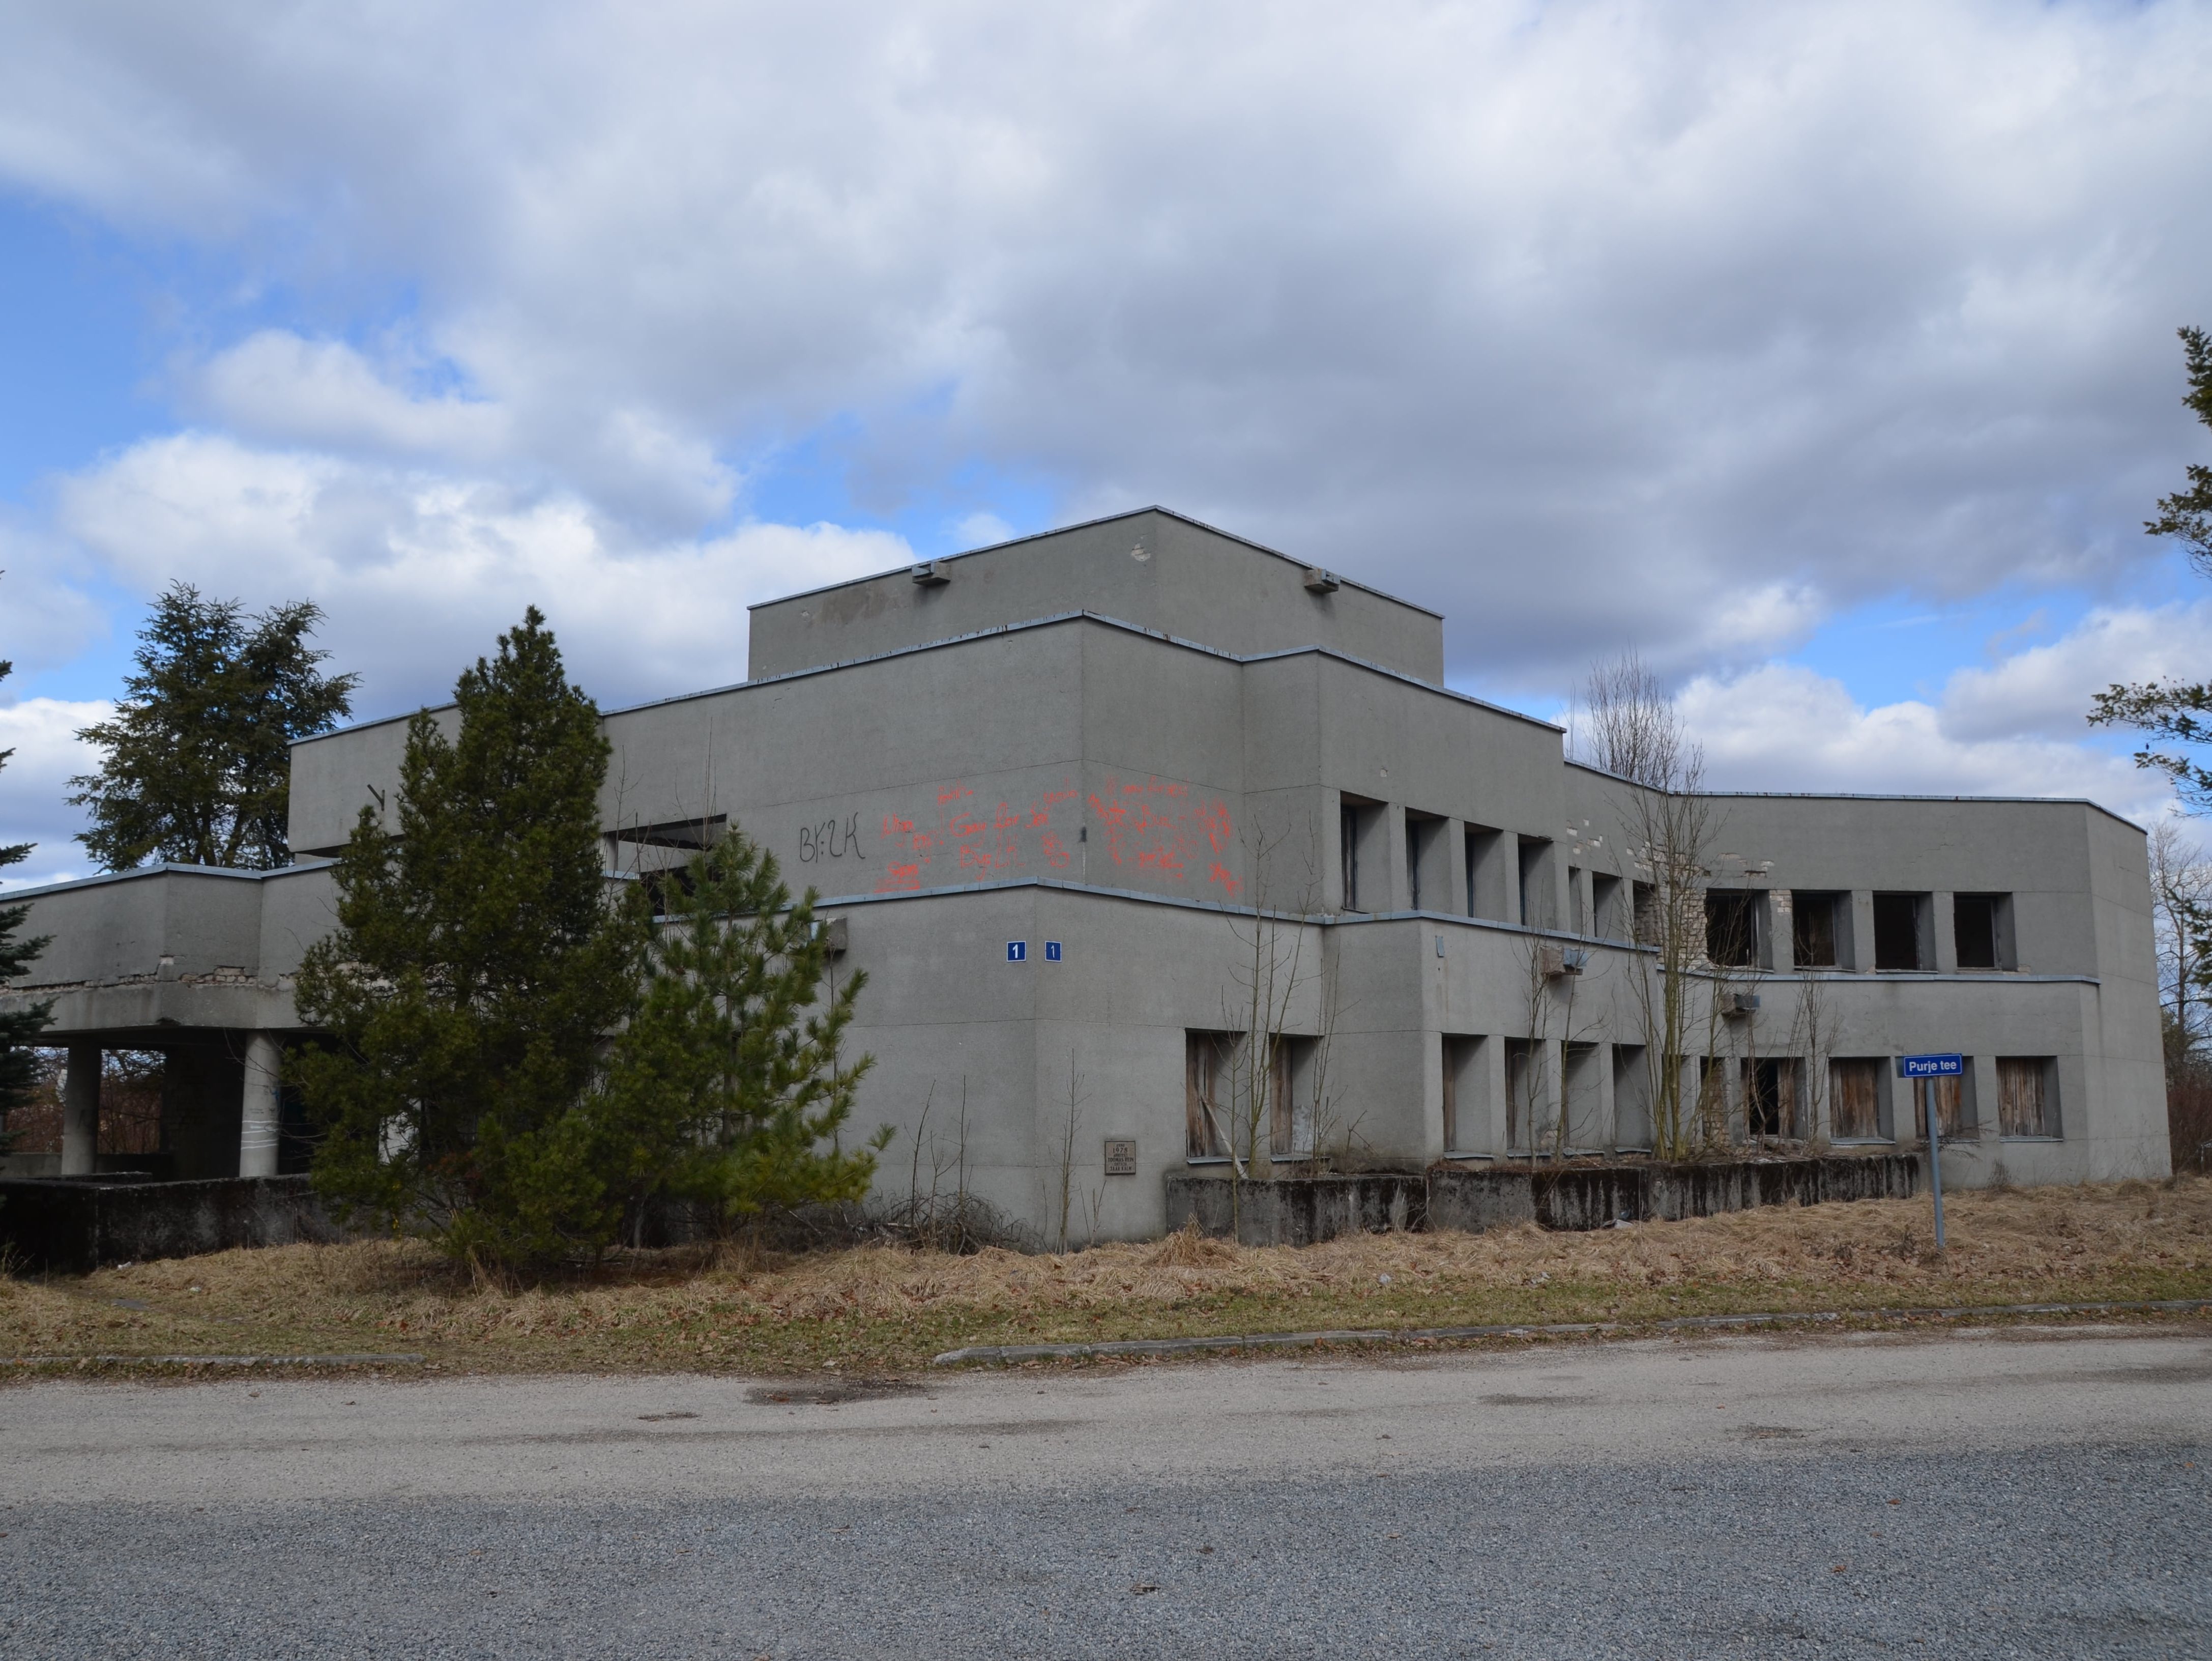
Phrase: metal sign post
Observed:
(1933, 1067)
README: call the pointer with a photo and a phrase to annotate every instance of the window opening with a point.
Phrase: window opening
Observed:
(1974, 919)
(1813, 930)
(1209, 1072)
(1349, 835)
(1520, 1079)
(1732, 926)
(1466, 1124)
(1605, 903)
(1646, 921)
(1631, 1097)
(1770, 1093)
(1897, 931)
(1535, 895)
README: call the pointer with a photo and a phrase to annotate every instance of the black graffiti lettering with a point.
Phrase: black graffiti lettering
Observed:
(831, 840)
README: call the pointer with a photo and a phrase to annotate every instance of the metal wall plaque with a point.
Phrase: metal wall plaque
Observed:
(1121, 1156)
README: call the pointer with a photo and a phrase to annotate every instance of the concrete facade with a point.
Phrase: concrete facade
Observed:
(1186, 762)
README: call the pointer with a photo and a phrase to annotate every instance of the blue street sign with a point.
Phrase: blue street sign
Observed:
(1930, 1067)
(1017, 951)
(1933, 1067)
(1052, 951)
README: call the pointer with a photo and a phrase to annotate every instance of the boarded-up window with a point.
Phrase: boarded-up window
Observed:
(1950, 1105)
(2024, 1096)
(1209, 1076)
(1854, 1100)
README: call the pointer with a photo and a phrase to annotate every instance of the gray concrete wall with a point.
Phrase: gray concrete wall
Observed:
(138, 956)
(1152, 568)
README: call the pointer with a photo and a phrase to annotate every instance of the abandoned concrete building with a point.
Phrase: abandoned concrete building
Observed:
(1092, 807)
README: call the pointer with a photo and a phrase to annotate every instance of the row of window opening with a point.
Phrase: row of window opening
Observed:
(1739, 922)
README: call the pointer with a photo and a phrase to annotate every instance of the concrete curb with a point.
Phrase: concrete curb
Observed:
(210, 1360)
(1000, 1354)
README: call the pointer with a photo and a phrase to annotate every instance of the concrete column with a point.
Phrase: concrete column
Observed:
(1944, 927)
(1782, 926)
(81, 1111)
(1396, 895)
(1862, 945)
(1509, 858)
(257, 1133)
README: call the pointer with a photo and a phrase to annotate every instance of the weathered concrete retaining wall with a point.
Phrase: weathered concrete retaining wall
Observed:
(73, 1225)
(1300, 1210)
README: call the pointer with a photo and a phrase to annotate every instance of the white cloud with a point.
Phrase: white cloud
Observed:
(2045, 691)
(275, 384)
(35, 786)
(419, 570)
(1782, 727)
(1597, 321)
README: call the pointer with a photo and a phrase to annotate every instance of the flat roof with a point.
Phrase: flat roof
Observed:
(137, 874)
(1863, 795)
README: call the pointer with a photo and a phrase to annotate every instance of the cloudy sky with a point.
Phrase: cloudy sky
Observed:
(1823, 352)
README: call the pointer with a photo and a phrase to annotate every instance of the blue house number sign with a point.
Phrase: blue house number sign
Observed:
(1017, 951)
(1052, 951)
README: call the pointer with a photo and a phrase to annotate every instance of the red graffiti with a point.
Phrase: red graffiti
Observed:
(1155, 826)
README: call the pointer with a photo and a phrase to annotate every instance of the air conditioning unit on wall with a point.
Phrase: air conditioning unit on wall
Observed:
(1740, 1003)
(1559, 960)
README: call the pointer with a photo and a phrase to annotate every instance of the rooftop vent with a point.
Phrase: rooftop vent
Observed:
(1319, 581)
(932, 574)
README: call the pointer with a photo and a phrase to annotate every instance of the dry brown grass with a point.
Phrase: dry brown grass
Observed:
(888, 1306)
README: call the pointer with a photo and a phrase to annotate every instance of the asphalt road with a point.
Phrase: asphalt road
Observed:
(2041, 1494)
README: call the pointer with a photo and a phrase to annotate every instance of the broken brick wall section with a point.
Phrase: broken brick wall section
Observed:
(1302, 1210)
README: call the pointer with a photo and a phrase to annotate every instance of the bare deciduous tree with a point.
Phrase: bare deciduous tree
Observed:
(1634, 731)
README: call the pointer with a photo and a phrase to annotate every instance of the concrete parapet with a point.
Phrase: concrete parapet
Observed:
(74, 1225)
(1301, 1210)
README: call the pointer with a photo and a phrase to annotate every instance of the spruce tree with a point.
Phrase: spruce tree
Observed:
(728, 1088)
(2177, 714)
(19, 1028)
(477, 967)
(196, 762)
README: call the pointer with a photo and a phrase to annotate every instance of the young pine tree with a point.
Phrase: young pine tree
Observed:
(19, 1028)
(477, 966)
(727, 1087)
